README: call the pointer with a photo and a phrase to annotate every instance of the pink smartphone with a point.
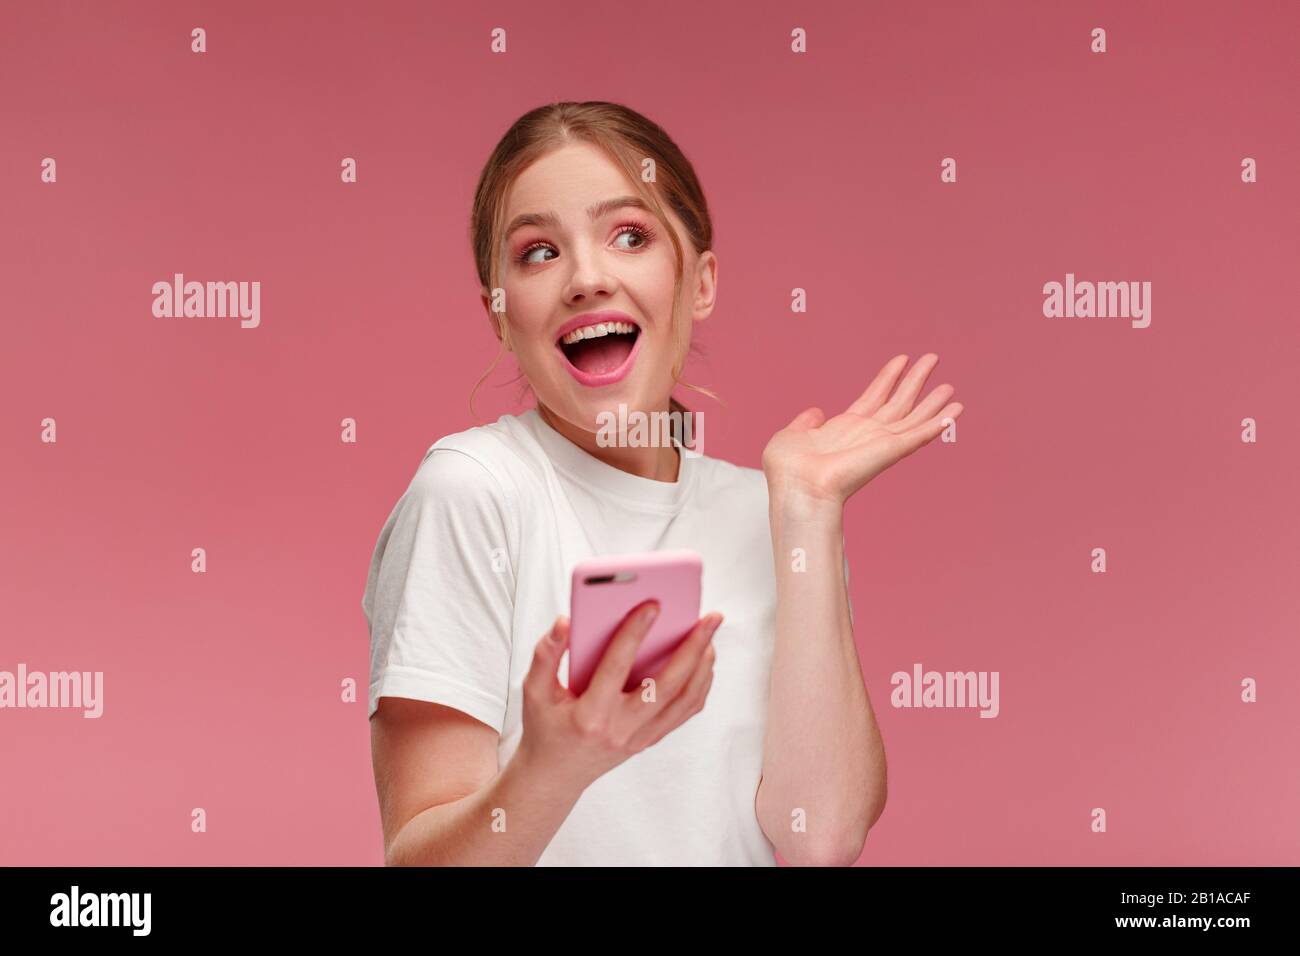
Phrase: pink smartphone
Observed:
(606, 588)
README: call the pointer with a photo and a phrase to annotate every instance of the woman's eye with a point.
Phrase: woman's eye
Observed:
(527, 255)
(638, 234)
(640, 238)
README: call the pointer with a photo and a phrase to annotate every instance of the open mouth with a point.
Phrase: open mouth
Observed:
(602, 349)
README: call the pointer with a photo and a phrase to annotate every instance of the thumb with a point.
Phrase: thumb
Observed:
(812, 417)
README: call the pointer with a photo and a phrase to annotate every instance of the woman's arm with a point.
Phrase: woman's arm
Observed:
(442, 798)
(823, 759)
(823, 781)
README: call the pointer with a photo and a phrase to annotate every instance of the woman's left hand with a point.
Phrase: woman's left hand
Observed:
(829, 460)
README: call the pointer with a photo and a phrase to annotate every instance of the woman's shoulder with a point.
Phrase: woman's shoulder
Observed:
(490, 457)
(483, 442)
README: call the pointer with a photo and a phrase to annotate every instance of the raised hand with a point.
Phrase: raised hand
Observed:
(830, 459)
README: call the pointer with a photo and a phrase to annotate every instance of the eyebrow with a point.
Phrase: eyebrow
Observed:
(552, 221)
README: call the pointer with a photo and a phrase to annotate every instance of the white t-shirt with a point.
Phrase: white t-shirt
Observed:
(472, 567)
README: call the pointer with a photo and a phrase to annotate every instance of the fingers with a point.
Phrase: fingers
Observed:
(880, 387)
(929, 405)
(689, 702)
(670, 678)
(543, 673)
(926, 431)
(901, 401)
(616, 663)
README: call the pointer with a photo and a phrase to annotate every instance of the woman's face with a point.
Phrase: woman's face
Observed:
(564, 266)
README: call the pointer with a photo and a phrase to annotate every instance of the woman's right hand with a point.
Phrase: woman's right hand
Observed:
(578, 738)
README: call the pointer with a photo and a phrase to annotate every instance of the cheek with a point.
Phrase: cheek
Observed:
(526, 309)
(652, 289)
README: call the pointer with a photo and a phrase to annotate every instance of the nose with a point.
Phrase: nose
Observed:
(589, 278)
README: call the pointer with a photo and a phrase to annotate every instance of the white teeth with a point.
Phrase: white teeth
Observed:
(597, 330)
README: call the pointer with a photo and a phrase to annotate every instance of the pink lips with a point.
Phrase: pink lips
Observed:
(591, 318)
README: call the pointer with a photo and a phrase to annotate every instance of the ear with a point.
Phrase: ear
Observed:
(706, 286)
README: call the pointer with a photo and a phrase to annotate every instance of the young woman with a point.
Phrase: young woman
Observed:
(761, 736)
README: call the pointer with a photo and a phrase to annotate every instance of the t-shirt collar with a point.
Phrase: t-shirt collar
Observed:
(581, 465)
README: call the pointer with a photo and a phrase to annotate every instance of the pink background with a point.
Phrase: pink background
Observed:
(1119, 690)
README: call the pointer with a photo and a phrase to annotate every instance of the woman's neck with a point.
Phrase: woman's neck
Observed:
(656, 462)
